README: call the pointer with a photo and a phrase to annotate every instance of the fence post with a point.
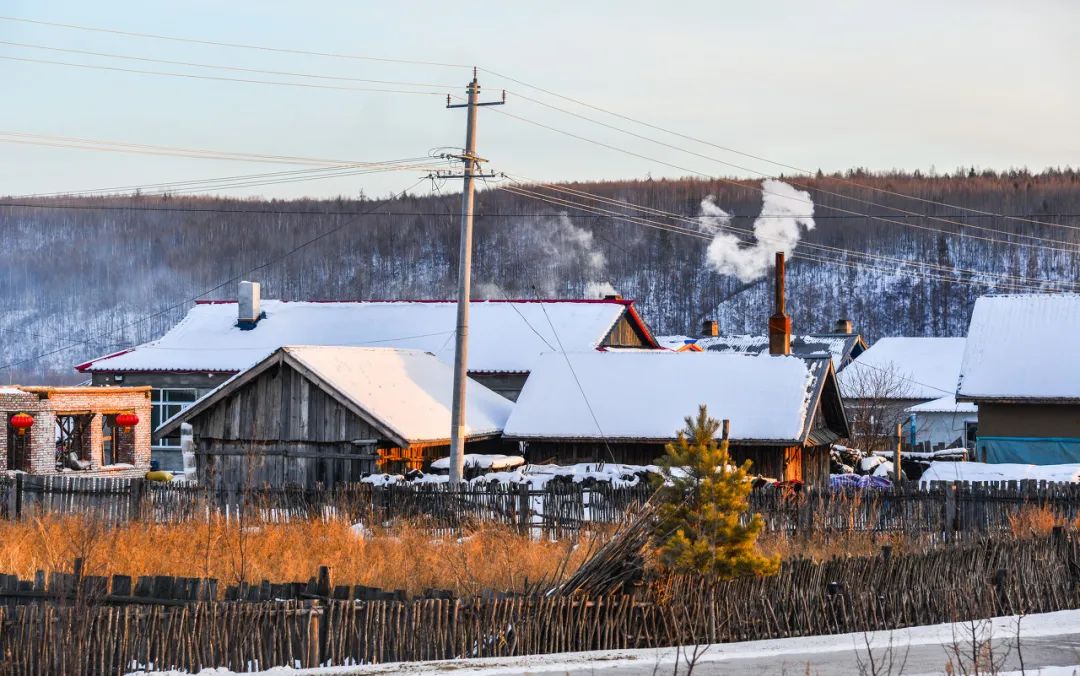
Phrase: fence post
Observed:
(950, 511)
(136, 492)
(524, 511)
(313, 652)
(15, 499)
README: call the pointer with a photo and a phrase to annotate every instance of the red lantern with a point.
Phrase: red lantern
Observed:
(127, 421)
(21, 422)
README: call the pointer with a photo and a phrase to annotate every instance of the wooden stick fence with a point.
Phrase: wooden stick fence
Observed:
(945, 511)
(888, 591)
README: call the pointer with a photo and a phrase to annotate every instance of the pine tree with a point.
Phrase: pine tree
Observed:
(702, 497)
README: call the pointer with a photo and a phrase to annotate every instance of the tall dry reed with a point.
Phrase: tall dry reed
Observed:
(405, 557)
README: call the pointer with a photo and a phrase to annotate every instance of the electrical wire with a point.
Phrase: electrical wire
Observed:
(758, 157)
(240, 69)
(806, 186)
(272, 261)
(703, 236)
(742, 185)
(235, 45)
(731, 228)
(140, 148)
(218, 78)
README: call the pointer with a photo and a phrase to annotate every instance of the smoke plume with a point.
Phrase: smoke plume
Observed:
(783, 210)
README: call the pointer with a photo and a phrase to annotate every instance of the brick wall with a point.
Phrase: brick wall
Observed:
(45, 403)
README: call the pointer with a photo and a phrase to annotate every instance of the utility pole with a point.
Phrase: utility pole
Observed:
(898, 473)
(461, 342)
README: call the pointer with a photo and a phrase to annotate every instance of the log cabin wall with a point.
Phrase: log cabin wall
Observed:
(280, 429)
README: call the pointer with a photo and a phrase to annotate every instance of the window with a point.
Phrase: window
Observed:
(165, 403)
(73, 440)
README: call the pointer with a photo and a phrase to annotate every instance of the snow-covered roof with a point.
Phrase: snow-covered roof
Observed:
(946, 404)
(504, 336)
(838, 346)
(922, 368)
(1018, 348)
(407, 393)
(678, 343)
(649, 394)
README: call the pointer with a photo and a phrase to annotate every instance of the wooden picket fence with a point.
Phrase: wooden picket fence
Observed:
(887, 591)
(945, 511)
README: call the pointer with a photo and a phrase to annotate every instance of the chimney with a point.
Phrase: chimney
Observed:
(248, 305)
(844, 326)
(611, 296)
(779, 323)
(710, 328)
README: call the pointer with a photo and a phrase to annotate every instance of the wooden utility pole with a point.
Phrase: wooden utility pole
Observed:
(897, 471)
(461, 343)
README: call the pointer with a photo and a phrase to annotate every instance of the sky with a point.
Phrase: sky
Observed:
(829, 85)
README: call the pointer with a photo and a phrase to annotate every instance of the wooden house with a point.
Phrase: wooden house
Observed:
(1026, 390)
(310, 415)
(624, 407)
(218, 339)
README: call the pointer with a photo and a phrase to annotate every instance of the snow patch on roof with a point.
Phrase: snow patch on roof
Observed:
(946, 404)
(647, 395)
(978, 472)
(503, 336)
(927, 368)
(1018, 348)
(408, 391)
(836, 346)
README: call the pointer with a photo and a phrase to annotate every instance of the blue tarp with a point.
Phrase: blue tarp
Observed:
(1028, 450)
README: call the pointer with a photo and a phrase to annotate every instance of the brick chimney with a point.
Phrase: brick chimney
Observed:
(844, 326)
(779, 323)
(611, 296)
(710, 328)
(249, 312)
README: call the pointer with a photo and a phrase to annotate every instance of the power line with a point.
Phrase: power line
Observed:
(218, 78)
(804, 185)
(753, 156)
(175, 187)
(144, 148)
(767, 192)
(704, 236)
(236, 45)
(730, 228)
(231, 280)
(240, 69)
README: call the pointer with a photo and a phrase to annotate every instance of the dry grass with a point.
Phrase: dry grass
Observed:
(408, 557)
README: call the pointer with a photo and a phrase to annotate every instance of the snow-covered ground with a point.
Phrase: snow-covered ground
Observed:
(1050, 646)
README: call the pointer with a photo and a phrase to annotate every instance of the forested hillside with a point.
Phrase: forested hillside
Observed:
(85, 276)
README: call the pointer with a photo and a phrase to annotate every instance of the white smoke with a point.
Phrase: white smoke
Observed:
(783, 210)
(599, 290)
(569, 251)
(712, 218)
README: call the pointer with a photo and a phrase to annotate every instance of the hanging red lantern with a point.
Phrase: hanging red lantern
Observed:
(21, 422)
(127, 421)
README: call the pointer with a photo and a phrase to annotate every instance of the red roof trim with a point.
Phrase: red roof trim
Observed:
(623, 301)
(82, 368)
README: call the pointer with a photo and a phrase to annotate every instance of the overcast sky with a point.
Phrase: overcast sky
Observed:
(828, 85)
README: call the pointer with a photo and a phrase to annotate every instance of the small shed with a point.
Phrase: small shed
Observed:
(625, 406)
(1027, 390)
(943, 423)
(85, 431)
(310, 415)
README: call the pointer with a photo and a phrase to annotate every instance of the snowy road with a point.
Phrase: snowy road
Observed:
(1047, 640)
